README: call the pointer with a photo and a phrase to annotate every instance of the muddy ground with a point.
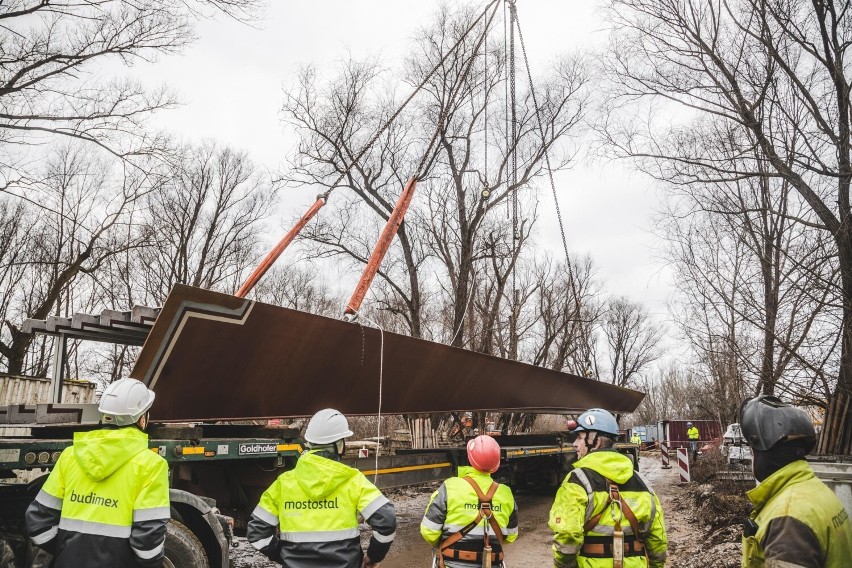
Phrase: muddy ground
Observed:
(702, 523)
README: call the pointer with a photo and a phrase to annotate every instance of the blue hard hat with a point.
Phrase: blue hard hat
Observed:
(598, 420)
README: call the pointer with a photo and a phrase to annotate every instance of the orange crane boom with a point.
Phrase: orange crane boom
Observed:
(382, 246)
(279, 248)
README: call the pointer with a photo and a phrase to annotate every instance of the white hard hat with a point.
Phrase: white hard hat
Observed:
(326, 427)
(124, 402)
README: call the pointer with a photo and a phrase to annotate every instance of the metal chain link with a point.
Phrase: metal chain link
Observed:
(484, 176)
(513, 161)
(549, 170)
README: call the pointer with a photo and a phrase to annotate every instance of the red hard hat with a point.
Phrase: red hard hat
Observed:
(483, 453)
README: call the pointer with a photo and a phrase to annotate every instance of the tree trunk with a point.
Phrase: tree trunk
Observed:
(836, 435)
(415, 301)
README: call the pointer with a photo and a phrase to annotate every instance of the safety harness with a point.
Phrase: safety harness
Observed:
(617, 547)
(485, 557)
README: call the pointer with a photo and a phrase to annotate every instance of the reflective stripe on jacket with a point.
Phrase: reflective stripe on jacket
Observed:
(309, 516)
(799, 520)
(692, 433)
(106, 503)
(584, 494)
(455, 505)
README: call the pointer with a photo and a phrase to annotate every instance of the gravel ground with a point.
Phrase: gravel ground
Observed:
(691, 543)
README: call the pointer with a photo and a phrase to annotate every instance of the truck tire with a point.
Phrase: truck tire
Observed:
(183, 549)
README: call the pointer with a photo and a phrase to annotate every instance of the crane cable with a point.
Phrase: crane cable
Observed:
(421, 168)
(547, 162)
(513, 149)
(416, 90)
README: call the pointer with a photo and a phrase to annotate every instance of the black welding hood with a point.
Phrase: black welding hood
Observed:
(766, 420)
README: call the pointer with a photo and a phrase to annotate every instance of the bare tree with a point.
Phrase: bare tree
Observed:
(461, 199)
(335, 122)
(300, 289)
(571, 310)
(18, 238)
(740, 261)
(772, 70)
(632, 340)
(49, 84)
(464, 208)
(674, 392)
(204, 223)
(83, 205)
(62, 112)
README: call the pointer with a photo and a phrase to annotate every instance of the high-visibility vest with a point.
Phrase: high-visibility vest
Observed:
(456, 504)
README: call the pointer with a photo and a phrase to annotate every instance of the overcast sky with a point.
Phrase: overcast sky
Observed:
(231, 82)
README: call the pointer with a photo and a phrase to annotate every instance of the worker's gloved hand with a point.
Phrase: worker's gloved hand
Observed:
(367, 563)
(274, 552)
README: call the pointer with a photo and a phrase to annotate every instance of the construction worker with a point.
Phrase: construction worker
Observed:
(106, 503)
(471, 515)
(693, 435)
(797, 520)
(308, 518)
(605, 515)
(636, 438)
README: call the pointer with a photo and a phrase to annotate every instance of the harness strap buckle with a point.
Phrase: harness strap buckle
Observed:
(618, 548)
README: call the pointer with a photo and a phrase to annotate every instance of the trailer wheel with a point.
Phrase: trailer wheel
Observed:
(183, 549)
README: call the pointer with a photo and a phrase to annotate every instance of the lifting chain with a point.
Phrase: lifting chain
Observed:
(513, 160)
(568, 266)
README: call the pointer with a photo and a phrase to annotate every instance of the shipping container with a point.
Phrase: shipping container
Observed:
(648, 432)
(16, 389)
(674, 432)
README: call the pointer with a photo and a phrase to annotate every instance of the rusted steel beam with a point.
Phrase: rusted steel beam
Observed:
(213, 356)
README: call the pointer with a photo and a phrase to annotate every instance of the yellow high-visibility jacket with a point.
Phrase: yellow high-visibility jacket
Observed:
(105, 504)
(800, 522)
(584, 494)
(308, 518)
